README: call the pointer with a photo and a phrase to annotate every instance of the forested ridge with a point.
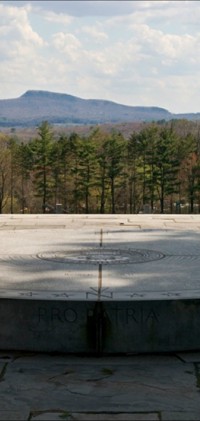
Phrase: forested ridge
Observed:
(156, 169)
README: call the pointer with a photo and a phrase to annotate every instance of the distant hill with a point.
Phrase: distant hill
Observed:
(33, 107)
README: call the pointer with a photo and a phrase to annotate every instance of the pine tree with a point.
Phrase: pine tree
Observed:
(42, 164)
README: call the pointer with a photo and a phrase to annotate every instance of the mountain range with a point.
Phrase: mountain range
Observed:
(35, 106)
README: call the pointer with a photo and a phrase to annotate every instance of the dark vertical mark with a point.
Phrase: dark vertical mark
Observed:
(101, 237)
(99, 281)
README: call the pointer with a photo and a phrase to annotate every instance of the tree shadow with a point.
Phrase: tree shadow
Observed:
(178, 269)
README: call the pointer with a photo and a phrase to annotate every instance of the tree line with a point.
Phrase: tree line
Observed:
(156, 169)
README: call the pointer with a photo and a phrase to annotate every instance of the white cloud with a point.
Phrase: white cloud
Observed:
(169, 45)
(15, 22)
(58, 18)
(95, 33)
(18, 39)
(68, 44)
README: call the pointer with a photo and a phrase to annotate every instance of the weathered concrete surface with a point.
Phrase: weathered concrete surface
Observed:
(109, 327)
(100, 284)
(151, 326)
(140, 387)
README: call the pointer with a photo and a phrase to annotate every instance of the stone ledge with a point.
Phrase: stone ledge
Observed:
(100, 327)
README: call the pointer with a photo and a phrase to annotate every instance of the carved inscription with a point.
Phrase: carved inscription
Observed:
(55, 314)
(117, 314)
(132, 315)
(49, 318)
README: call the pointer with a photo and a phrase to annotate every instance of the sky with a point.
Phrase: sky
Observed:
(138, 53)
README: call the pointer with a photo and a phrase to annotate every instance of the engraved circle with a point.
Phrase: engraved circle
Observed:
(103, 255)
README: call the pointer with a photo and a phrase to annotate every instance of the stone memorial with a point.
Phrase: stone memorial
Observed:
(100, 284)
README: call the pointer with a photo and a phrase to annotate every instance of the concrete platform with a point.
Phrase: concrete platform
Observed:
(100, 284)
(43, 387)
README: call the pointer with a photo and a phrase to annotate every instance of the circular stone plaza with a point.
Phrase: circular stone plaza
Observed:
(100, 284)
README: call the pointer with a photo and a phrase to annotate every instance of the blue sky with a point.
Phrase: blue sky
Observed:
(131, 52)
